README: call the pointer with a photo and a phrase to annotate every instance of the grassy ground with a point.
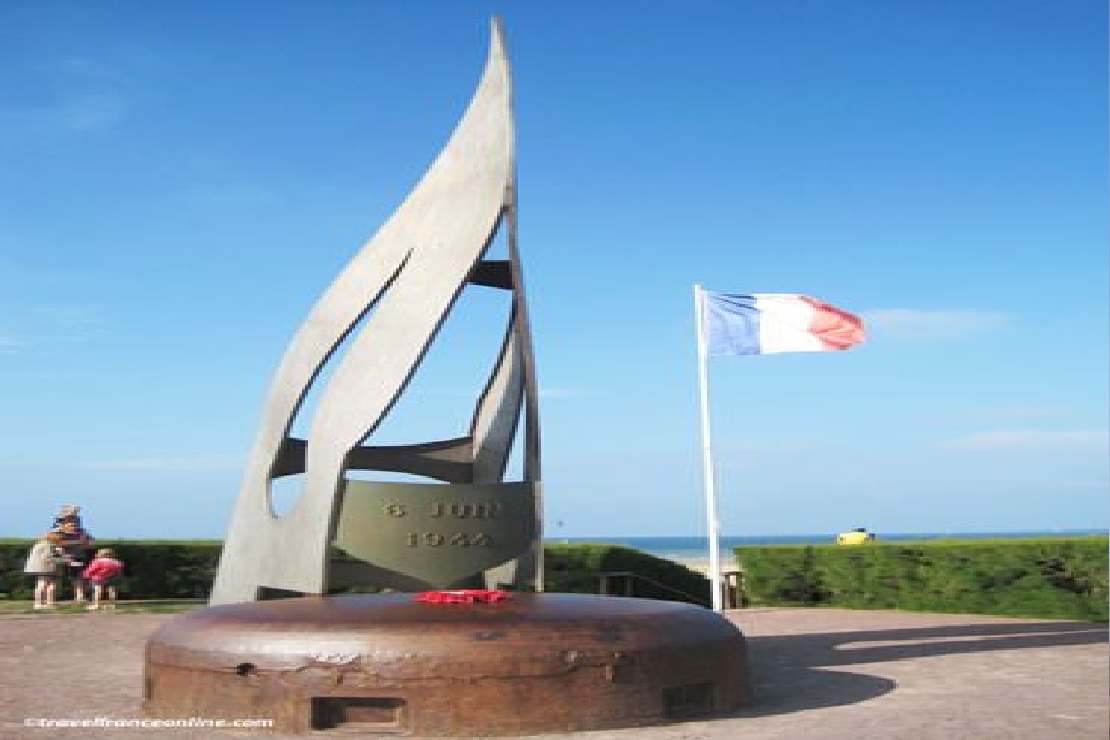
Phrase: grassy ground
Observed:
(122, 607)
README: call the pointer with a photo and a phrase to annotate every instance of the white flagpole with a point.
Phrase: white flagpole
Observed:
(707, 456)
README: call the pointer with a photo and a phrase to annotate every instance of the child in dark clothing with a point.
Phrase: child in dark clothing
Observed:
(75, 543)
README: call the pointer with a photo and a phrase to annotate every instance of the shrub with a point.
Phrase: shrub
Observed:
(1056, 578)
(153, 569)
(177, 569)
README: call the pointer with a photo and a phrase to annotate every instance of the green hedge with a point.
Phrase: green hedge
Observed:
(154, 569)
(1051, 578)
(178, 569)
(575, 569)
(1064, 578)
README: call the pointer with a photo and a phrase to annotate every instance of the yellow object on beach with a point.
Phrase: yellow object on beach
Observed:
(856, 537)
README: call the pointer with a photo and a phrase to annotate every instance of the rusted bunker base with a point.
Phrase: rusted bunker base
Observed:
(388, 664)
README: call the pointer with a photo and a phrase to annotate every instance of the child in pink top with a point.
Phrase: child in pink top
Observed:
(103, 573)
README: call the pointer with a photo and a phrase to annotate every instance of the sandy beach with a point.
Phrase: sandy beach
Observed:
(701, 565)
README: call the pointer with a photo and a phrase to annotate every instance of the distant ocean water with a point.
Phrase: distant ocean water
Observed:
(697, 548)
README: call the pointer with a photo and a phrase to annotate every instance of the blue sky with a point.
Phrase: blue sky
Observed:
(181, 180)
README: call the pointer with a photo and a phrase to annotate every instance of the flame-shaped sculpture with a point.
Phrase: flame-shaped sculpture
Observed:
(398, 290)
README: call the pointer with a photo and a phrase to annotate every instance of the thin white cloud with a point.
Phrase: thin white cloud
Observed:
(227, 193)
(81, 95)
(199, 463)
(23, 327)
(1029, 440)
(212, 178)
(84, 68)
(921, 325)
(89, 111)
(552, 393)
(73, 323)
(993, 415)
(194, 464)
(10, 345)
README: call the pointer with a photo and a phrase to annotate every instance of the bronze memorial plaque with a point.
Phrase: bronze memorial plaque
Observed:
(437, 533)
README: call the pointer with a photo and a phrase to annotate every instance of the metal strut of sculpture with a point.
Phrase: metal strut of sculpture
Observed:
(471, 528)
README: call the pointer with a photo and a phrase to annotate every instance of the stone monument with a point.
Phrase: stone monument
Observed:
(439, 663)
(387, 306)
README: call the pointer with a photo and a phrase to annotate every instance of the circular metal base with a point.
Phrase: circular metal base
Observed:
(389, 664)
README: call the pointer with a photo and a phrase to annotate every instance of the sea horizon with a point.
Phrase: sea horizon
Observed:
(696, 548)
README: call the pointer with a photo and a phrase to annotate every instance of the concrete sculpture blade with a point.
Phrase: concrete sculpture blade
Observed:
(385, 307)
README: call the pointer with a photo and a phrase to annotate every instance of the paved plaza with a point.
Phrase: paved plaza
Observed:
(817, 673)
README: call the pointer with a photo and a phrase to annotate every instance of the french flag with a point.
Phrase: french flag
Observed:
(768, 323)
